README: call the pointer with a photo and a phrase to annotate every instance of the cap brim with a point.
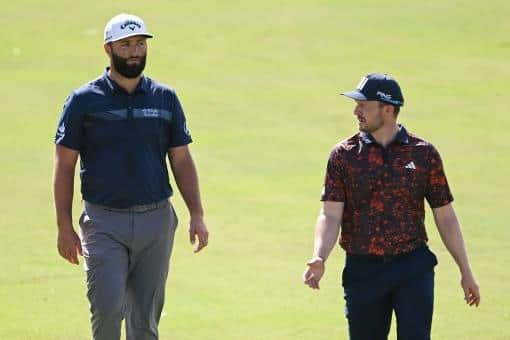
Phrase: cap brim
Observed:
(356, 95)
(147, 35)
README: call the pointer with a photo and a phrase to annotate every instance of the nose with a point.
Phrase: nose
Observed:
(356, 110)
(136, 51)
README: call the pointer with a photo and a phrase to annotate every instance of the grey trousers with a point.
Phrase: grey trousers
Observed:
(127, 254)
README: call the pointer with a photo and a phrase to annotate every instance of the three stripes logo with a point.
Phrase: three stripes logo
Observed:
(410, 165)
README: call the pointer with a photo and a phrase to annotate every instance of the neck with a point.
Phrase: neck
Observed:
(386, 133)
(128, 84)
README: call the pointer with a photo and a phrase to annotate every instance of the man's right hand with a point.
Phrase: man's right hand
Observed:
(69, 245)
(313, 273)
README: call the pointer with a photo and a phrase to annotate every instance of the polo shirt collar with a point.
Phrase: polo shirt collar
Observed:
(142, 87)
(402, 137)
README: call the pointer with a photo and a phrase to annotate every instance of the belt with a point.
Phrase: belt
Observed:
(137, 209)
(369, 258)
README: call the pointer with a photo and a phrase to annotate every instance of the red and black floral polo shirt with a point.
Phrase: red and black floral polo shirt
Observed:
(383, 190)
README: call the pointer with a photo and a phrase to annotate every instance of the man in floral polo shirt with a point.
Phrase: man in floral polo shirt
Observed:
(375, 186)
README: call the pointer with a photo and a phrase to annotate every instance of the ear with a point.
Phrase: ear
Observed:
(108, 49)
(388, 111)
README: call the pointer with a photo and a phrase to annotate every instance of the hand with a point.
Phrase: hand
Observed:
(69, 245)
(198, 229)
(471, 290)
(313, 273)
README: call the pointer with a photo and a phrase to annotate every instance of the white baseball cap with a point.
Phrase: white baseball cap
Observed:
(124, 25)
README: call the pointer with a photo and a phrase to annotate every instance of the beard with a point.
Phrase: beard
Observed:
(129, 71)
(372, 127)
(376, 123)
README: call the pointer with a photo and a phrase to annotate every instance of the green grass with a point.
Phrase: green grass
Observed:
(259, 81)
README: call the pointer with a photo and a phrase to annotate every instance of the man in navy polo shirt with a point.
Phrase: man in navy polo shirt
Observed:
(375, 186)
(123, 125)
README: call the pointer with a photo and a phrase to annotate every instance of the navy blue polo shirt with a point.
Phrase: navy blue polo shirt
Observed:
(123, 140)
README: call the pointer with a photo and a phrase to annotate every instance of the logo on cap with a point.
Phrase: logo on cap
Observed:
(131, 25)
(362, 83)
(383, 95)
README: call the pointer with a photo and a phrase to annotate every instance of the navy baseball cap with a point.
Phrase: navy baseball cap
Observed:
(380, 87)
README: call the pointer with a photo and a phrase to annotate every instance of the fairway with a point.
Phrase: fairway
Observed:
(259, 82)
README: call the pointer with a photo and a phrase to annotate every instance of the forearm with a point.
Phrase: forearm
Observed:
(326, 235)
(63, 183)
(451, 235)
(186, 177)
(454, 242)
(449, 229)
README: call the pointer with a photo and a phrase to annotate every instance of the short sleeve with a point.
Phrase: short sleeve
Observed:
(334, 188)
(179, 132)
(69, 130)
(438, 192)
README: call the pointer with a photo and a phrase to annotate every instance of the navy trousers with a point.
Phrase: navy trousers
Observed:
(374, 287)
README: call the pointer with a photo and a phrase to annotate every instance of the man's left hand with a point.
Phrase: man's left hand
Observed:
(198, 229)
(471, 290)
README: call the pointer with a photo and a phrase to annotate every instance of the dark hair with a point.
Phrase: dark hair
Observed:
(396, 109)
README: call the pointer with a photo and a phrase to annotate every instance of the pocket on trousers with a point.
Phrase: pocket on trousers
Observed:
(84, 221)
(432, 257)
(344, 277)
(175, 219)
(351, 274)
(86, 232)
